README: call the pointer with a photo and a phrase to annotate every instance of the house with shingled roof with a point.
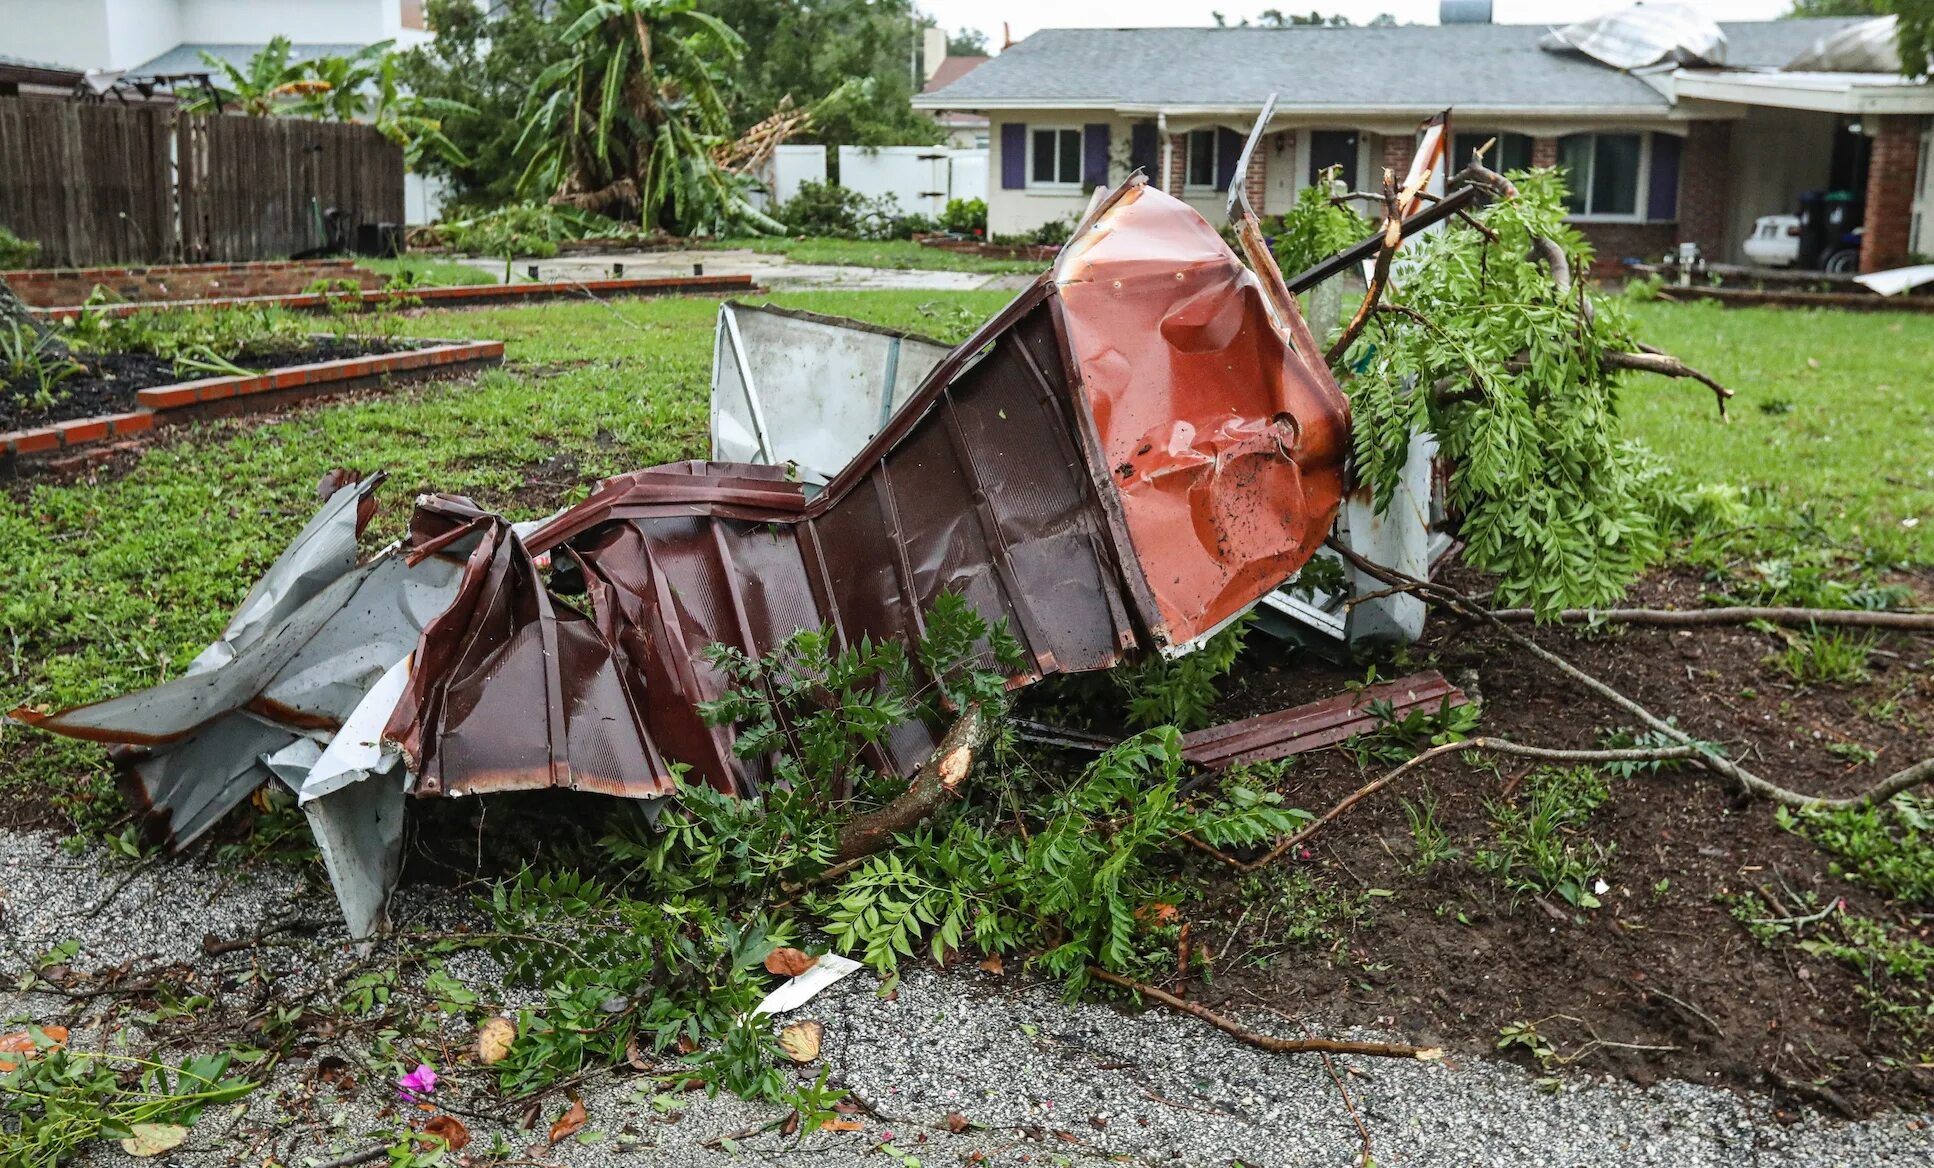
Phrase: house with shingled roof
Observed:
(1655, 156)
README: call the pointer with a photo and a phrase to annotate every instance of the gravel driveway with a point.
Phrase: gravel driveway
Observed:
(1037, 1081)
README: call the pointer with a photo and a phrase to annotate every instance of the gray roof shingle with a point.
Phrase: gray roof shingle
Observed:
(187, 58)
(1411, 67)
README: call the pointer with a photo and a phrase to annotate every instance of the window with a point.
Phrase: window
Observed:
(1512, 151)
(1057, 158)
(1602, 172)
(1201, 161)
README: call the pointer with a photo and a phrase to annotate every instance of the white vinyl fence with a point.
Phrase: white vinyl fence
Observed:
(919, 178)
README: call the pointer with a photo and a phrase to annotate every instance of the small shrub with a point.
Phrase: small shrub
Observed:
(1540, 848)
(1833, 656)
(828, 209)
(16, 252)
(1432, 842)
(1889, 848)
(32, 366)
(965, 217)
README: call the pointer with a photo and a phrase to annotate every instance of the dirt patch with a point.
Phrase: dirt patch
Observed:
(1450, 955)
(112, 379)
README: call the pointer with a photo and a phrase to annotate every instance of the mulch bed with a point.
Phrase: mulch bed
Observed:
(1420, 969)
(112, 379)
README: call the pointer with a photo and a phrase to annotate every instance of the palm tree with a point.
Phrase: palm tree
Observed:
(625, 124)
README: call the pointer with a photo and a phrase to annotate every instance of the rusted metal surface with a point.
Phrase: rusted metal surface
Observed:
(1128, 455)
(1309, 727)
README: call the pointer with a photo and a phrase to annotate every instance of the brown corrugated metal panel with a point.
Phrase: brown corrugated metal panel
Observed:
(1318, 724)
(991, 483)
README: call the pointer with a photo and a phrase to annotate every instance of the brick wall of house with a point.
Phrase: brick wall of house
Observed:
(1178, 161)
(1614, 243)
(1394, 155)
(1544, 152)
(1257, 180)
(59, 287)
(1890, 192)
(1705, 186)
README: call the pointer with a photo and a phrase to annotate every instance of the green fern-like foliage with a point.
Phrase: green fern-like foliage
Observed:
(1073, 890)
(1477, 345)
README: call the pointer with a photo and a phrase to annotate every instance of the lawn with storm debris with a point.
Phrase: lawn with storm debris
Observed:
(1647, 921)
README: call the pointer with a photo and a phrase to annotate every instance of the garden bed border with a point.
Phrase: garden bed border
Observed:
(433, 296)
(221, 397)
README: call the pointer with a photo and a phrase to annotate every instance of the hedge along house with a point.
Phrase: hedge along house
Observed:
(1652, 160)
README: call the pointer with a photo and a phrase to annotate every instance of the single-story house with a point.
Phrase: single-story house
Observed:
(1655, 156)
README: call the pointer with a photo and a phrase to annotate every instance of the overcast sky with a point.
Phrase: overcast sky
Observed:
(1026, 16)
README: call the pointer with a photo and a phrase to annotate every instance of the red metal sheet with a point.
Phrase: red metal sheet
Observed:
(1226, 447)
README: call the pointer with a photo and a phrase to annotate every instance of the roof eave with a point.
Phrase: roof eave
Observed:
(1854, 94)
(1294, 110)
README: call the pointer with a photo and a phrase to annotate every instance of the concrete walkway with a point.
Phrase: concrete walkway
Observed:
(777, 272)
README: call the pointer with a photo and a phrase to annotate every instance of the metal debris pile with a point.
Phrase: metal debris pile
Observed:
(1137, 450)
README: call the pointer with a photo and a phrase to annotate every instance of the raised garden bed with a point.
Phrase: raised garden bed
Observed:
(455, 296)
(993, 251)
(113, 380)
(174, 283)
(119, 410)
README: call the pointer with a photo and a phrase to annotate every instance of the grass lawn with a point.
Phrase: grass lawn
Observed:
(1834, 418)
(110, 586)
(888, 253)
(428, 270)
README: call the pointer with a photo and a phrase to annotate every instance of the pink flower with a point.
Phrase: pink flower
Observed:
(421, 1081)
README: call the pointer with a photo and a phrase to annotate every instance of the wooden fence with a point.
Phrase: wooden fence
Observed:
(260, 188)
(100, 184)
(90, 184)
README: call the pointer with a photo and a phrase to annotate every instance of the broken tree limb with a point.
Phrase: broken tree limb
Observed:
(1901, 780)
(1698, 617)
(935, 784)
(1379, 276)
(1267, 1042)
(1666, 365)
(1495, 745)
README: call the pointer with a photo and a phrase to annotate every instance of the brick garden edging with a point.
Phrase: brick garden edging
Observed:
(51, 287)
(454, 296)
(221, 397)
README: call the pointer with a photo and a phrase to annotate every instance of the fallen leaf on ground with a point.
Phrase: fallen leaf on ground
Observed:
(152, 1139)
(568, 1123)
(788, 962)
(1430, 1054)
(801, 1041)
(956, 1122)
(842, 1125)
(1158, 913)
(790, 1125)
(450, 1130)
(494, 1038)
(994, 965)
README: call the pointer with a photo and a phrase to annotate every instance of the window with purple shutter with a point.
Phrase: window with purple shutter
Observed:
(1143, 152)
(1013, 156)
(1094, 154)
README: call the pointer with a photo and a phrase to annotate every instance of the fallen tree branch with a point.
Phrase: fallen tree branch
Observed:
(1665, 365)
(1887, 788)
(1495, 745)
(1267, 1041)
(1379, 276)
(934, 784)
(1697, 617)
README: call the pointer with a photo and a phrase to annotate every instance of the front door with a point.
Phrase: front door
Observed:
(1337, 148)
(1920, 233)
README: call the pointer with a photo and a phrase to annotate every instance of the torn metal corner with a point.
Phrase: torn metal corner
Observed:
(1132, 452)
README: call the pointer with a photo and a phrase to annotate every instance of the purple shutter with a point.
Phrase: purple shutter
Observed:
(1143, 152)
(1662, 194)
(1094, 154)
(1013, 156)
(1228, 150)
